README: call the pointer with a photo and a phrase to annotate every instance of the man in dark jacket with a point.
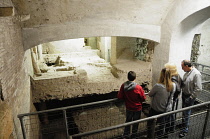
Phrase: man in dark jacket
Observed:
(133, 95)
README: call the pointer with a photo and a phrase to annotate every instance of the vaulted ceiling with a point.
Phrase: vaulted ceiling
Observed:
(43, 12)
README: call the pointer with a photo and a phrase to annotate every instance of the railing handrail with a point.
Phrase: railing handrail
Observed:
(75, 106)
(206, 81)
(71, 107)
(200, 64)
(138, 121)
(68, 107)
(20, 116)
(204, 73)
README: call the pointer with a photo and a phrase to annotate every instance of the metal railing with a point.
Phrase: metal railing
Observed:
(199, 126)
(205, 72)
(67, 121)
(105, 119)
(201, 67)
(205, 94)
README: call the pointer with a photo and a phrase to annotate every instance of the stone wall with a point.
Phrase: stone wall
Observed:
(71, 85)
(125, 43)
(69, 75)
(14, 80)
(88, 79)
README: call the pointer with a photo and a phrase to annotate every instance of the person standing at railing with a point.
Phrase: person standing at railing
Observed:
(191, 89)
(133, 95)
(176, 78)
(161, 101)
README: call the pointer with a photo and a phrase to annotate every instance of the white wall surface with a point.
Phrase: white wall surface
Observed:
(181, 42)
(176, 35)
(204, 57)
(67, 46)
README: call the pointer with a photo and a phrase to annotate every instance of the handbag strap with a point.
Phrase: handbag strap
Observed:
(168, 99)
(171, 94)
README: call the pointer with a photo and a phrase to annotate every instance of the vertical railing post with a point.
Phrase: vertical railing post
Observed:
(66, 124)
(22, 127)
(206, 122)
(202, 68)
(153, 128)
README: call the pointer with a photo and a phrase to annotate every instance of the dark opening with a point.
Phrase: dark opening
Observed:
(6, 11)
(1, 93)
(48, 119)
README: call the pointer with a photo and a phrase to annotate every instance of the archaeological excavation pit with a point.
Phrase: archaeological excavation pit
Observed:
(84, 115)
(70, 68)
(68, 86)
(69, 73)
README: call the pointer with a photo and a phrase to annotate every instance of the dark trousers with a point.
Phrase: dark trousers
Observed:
(170, 119)
(132, 116)
(160, 121)
(186, 102)
(169, 123)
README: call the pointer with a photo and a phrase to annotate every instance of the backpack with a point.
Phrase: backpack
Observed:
(179, 83)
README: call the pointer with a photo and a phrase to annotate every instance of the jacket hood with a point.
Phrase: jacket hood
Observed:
(129, 85)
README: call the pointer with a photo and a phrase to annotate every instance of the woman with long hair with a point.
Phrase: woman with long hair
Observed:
(161, 99)
(176, 78)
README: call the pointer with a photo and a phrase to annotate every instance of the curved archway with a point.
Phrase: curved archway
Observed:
(36, 36)
(173, 39)
(182, 38)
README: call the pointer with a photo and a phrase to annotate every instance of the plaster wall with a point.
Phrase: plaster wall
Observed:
(205, 44)
(108, 48)
(55, 12)
(171, 44)
(181, 46)
(88, 28)
(67, 46)
(28, 63)
(183, 37)
(58, 20)
(102, 46)
(113, 59)
(92, 42)
(14, 78)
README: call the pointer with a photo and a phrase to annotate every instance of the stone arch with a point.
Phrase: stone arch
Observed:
(36, 36)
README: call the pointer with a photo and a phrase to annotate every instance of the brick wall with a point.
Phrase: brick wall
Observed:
(14, 80)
